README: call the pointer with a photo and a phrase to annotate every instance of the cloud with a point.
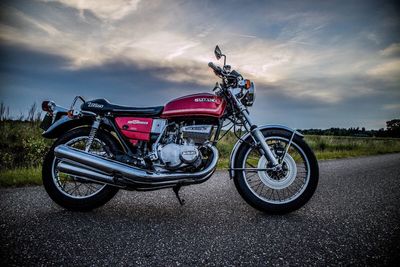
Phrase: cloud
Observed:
(391, 50)
(122, 34)
(300, 51)
(392, 107)
(103, 9)
(388, 70)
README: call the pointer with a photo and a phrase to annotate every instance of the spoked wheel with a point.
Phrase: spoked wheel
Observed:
(71, 185)
(73, 192)
(282, 189)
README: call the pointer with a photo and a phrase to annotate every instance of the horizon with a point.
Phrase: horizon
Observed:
(315, 64)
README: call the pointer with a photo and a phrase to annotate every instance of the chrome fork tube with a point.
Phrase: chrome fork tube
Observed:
(256, 133)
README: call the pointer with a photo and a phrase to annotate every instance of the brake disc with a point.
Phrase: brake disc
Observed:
(270, 179)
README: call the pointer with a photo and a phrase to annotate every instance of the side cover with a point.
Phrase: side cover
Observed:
(135, 128)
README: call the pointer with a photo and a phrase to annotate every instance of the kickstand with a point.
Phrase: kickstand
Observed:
(176, 191)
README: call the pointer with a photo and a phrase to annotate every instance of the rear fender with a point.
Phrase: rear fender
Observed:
(239, 143)
(65, 124)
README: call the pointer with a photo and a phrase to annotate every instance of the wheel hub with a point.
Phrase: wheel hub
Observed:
(279, 178)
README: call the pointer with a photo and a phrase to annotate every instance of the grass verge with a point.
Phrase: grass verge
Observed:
(21, 177)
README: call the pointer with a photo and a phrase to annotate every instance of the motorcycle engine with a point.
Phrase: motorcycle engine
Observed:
(174, 155)
(182, 146)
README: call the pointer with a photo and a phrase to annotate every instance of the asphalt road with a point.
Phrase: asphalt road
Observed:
(353, 219)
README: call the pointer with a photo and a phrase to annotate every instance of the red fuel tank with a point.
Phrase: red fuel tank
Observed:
(203, 104)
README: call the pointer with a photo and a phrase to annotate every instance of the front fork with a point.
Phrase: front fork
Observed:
(265, 150)
(259, 137)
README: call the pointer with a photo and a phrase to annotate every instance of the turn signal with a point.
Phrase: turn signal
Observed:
(70, 114)
(247, 84)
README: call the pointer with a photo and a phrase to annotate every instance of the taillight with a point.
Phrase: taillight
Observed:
(45, 106)
(247, 84)
(48, 106)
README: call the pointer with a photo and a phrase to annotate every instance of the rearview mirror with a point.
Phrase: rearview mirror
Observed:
(217, 52)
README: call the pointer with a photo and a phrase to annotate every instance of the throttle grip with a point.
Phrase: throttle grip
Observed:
(216, 69)
(211, 65)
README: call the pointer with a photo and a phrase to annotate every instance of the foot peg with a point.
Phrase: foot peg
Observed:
(176, 191)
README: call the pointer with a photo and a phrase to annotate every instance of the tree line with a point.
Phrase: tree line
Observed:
(392, 130)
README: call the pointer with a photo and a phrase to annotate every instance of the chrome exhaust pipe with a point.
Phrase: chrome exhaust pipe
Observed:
(84, 173)
(102, 169)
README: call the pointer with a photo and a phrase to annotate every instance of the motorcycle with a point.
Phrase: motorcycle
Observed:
(102, 147)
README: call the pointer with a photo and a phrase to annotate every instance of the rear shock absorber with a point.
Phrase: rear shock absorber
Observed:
(92, 134)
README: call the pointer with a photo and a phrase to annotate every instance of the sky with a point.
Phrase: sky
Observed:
(316, 64)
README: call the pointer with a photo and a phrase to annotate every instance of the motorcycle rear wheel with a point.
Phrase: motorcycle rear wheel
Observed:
(277, 192)
(68, 191)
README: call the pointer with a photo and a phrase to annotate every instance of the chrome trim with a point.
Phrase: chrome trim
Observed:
(56, 109)
(74, 170)
(244, 137)
(76, 99)
(92, 165)
(259, 137)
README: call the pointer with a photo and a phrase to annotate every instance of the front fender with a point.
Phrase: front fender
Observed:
(65, 124)
(244, 137)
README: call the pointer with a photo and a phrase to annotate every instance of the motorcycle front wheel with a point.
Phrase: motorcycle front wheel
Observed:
(277, 191)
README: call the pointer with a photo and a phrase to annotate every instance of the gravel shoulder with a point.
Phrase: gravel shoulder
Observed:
(353, 219)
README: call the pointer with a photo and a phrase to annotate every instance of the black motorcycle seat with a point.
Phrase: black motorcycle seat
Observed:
(102, 106)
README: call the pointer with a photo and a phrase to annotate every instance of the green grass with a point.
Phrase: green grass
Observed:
(21, 177)
(325, 147)
(336, 147)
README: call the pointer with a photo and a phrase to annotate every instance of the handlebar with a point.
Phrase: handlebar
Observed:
(229, 78)
(216, 69)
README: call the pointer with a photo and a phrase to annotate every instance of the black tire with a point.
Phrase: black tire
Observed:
(272, 208)
(70, 203)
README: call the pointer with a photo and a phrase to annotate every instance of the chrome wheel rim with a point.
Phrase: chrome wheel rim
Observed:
(279, 187)
(73, 186)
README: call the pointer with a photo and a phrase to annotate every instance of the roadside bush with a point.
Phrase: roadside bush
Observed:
(21, 144)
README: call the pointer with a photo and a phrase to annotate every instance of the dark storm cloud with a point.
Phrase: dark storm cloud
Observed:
(315, 63)
(276, 104)
(29, 76)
